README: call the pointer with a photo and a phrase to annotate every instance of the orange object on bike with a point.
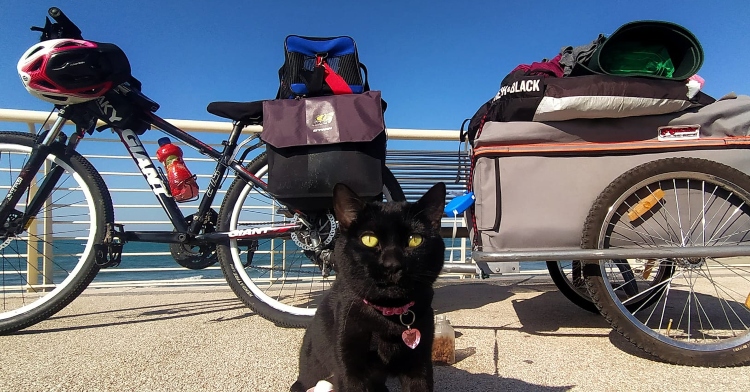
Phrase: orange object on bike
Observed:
(181, 181)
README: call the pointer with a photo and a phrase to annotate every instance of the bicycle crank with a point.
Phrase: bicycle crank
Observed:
(197, 256)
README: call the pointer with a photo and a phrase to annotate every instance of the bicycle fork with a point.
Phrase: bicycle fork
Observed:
(14, 222)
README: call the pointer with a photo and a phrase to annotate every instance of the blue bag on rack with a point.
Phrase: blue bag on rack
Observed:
(315, 66)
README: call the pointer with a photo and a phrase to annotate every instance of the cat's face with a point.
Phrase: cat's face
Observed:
(389, 252)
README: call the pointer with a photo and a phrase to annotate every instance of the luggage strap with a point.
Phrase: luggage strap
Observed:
(337, 84)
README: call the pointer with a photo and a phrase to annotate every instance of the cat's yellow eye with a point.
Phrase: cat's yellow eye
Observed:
(415, 240)
(369, 240)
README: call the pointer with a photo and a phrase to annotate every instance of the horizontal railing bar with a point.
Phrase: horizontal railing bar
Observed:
(118, 269)
(412, 152)
(426, 179)
(39, 117)
(417, 160)
(156, 283)
(416, 156)
(150, 206)
(186, 159)
(123, 174)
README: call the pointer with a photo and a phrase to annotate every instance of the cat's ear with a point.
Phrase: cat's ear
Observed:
(346, 205)
(432, 204)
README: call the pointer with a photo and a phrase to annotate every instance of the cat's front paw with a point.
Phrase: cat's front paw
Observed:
(322, 386)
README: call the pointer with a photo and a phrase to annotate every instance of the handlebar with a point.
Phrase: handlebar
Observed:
(62, 28)
(69, 29)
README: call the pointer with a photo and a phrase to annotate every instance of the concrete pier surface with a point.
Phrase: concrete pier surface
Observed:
(516, 334)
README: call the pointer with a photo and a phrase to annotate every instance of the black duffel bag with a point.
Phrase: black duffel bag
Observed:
(315, 143)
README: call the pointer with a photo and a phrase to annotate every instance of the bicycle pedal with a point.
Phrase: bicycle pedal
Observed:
(109, 252)
(107, 256)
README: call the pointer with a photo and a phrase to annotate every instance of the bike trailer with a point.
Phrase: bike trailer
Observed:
(535, 182)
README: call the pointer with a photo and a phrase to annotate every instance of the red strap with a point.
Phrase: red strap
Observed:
(337, 84)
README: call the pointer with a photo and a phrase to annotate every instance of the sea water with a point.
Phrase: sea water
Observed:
(150, 261)
(134, 258)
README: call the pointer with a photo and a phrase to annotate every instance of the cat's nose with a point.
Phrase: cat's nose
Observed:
(391, 264)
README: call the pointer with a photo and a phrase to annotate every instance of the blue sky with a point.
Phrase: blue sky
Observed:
(435, 61)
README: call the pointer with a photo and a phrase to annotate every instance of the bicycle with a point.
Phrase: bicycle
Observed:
(48, 181)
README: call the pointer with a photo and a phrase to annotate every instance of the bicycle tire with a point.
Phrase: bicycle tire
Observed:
(280, 300)
(699, 314)
(78, 210)
(569, 279)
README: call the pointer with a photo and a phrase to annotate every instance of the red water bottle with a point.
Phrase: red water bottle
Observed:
(181, 182)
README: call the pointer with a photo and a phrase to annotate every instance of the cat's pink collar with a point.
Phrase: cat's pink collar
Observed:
(391, 311)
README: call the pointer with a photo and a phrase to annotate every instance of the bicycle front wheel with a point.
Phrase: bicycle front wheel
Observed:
(53, 261)
(275, 277)
(693, 310)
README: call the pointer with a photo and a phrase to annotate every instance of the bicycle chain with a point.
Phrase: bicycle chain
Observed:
(7, 242)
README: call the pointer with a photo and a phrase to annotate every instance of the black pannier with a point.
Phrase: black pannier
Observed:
(315, 143)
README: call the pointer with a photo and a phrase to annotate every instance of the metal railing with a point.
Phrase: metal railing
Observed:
(415, 170)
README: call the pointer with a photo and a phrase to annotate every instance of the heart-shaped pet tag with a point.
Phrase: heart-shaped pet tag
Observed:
(411, 337)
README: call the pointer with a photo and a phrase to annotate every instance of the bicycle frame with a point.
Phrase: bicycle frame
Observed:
(183, 233)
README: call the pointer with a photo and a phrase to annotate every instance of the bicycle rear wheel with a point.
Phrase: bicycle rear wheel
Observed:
(275, 277)
(51, 263)
(691, 311)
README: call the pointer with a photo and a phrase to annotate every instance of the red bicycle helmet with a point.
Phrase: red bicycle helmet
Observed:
(70, 71)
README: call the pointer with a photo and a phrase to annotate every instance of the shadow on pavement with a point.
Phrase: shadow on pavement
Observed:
(138, 315)
(450, 379)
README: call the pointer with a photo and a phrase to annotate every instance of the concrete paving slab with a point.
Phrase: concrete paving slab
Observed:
(513, 335)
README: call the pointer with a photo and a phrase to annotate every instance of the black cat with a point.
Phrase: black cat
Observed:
(377, 320)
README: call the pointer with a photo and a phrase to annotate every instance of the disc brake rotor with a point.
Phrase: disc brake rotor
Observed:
(319, 236)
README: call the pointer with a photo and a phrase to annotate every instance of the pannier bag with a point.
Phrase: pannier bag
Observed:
(315, 143)
(535, 182)
(316, 66)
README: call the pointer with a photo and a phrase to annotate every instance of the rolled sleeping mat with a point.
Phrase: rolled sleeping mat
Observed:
(646, 48)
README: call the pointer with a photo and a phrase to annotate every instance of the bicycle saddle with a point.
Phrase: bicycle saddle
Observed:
(250, 113)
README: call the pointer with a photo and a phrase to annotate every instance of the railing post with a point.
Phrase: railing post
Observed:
(47, 239)
(32, 256)
(32, 252)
